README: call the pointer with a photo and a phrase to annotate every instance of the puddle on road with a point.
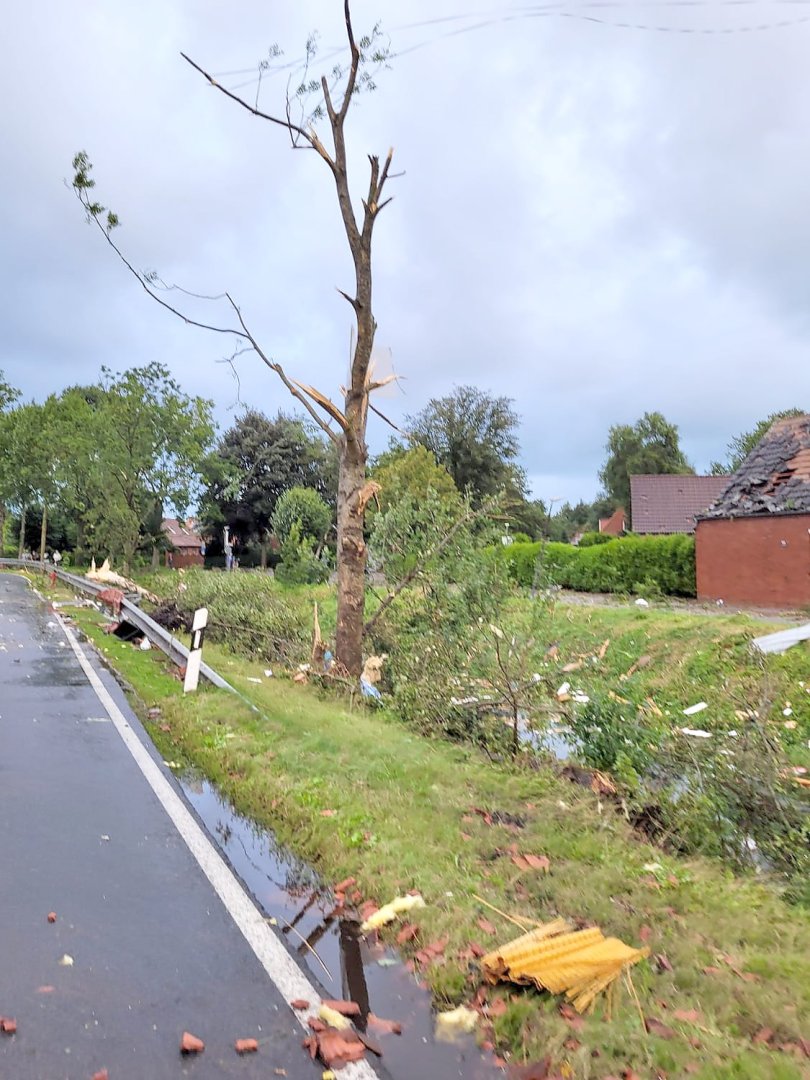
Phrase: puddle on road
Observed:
(370, 974)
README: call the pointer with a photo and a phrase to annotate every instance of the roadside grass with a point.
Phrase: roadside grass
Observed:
(692, 658)
(400, 816)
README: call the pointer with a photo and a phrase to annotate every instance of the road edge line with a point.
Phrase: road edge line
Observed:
(280, 967)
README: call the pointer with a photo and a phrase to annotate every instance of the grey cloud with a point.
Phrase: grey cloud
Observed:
(596, 221)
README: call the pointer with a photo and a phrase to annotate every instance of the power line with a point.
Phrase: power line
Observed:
(562, 9)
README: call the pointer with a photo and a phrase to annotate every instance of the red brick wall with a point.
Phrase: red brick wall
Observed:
(755, 560)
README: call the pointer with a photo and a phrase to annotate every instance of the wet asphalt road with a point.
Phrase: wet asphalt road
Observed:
(82, 834)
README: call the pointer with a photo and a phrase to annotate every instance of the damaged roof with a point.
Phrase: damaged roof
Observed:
(774, 478)
(665, 504)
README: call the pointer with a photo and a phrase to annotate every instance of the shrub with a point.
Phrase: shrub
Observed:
(664, 564)
(590, 539)
(248, 612)
(305, 506)
(299, 565)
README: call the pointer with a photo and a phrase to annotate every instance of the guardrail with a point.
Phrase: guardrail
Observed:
(157, 634)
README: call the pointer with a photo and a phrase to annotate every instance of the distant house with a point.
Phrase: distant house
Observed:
(753, 544)
(615, 525)
(662, 505)
(185, 543)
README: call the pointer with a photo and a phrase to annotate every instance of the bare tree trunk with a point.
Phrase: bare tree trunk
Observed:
(22, 532)
(155, 558)
(2, 528)
(351, 562)
(349, 434)
(43, 532)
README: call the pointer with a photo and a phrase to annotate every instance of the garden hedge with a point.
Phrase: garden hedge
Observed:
(664, 564)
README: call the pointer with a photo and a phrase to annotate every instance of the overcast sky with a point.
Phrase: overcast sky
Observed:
(595, 219)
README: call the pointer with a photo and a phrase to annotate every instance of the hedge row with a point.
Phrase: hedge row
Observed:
(663, 564)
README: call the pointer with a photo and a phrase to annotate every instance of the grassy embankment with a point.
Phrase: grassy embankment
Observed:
(400, 817)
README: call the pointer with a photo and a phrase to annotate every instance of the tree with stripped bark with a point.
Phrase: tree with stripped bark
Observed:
(333, 95)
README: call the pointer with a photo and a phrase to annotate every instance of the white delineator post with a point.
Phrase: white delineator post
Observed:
(195, 650)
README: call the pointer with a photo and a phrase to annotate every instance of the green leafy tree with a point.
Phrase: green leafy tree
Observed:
(300, 521)
(474, 436)
(305, 508)
(650, 446)
(254, 463)
(154, 438)
(413, 473)
(8, 395)
(741, 446)
(29, 464)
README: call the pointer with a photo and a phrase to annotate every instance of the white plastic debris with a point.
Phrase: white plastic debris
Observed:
(563, 689)
(66, 961)
(641, 602)
(145, 645)
(787, 711)
(268, 674)
(250, 678)
(696, 733)
(701, 705)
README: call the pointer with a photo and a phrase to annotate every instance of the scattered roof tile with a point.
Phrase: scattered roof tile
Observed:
(671, 504)
(774, 478)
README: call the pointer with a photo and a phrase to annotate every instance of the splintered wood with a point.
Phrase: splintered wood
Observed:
(578, 963)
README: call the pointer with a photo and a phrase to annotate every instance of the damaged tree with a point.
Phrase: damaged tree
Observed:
(346, 427)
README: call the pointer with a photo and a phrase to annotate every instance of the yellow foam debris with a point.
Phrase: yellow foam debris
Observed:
(449, 1025)
(386, 914)
(333, 1018)
(554, 957)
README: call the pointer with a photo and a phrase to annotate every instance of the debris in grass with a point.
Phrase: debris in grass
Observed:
(190, 1044)
(386, 914)
(460, 1021)
(641, 602)
(695, 733)
(536, 1070)
(486, 925)
(699, 707)
(408, 932)
(579, 963)
(657, 1027)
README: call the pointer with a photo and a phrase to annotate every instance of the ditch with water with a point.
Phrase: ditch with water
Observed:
(331, 950)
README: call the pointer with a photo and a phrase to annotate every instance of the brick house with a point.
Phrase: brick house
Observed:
(664, 504)
(185, 543)
(615, 525)
(753, 544)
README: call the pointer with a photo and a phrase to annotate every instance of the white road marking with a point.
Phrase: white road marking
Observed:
(271, 954)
